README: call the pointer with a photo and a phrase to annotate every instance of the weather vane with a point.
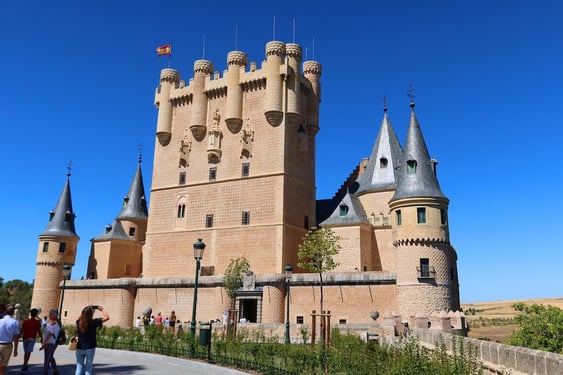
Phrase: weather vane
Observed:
(68, 168)
(410, 93)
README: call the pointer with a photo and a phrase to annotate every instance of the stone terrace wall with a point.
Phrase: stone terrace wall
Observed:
(500, 359)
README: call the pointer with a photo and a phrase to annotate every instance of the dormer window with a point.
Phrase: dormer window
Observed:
(411, 166)
(343, 210)
(108, 228)
(125, 201)
(68, 216)
(383, 163)
(51, 215)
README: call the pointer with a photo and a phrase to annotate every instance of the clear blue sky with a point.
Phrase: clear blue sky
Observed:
(78, 81)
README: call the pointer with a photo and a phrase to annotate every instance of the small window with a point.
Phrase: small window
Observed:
(421, 215)
(212, 174)
(51, 215)
(383, 163)
(209, 221)
(181, 210)
(68, 216)
(399, 217)
(343, 210)
(132, 231)
(299, 319)
(45, 247)
(424, 267)
(182, 178)
(306, 222)
(125, 201)
(245, 217)
(443, 217)
(62, 247)
(245, 170)
(341, 321)
(411, 166)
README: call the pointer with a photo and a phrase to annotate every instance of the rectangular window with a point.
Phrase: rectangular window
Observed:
(245, 171)
(421, 215)
(341, 321)
(209, 221)
(212, 174)
(182, 178)
(245, 217)
(306, 222)
(132, 231)
(62, 247)
(399, 217)
(424, 267)
(45, 247)
(299, 319)
(443, 217)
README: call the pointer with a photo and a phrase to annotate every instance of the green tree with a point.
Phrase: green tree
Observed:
(541, 327)
(232, 280)
(16, 291)
(317, 251)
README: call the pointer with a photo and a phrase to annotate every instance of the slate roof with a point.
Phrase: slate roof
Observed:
(61, 220)
(114, 232)
(135, 202)
(348, 211)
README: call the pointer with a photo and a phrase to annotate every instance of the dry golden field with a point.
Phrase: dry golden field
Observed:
(492, 319)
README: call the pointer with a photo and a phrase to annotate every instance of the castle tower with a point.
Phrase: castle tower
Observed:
(168, 78)
(246, 188)
(117, 252)
(57, 248)
(426, 261)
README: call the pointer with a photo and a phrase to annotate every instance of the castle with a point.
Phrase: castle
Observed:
(234, 165)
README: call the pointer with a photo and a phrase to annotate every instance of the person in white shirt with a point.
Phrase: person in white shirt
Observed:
(9, 337)
(50, 342)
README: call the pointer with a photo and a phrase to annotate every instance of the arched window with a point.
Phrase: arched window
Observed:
(383, 162)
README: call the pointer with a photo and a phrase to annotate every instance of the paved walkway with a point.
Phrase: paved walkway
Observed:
(110, 362)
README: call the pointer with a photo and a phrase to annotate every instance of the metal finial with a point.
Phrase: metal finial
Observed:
(410, 94)
(384, 104)
(140, 148)
(68, 168)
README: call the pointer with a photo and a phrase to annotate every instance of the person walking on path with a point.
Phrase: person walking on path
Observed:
(9, 337)
(87, 328)
(50, 342)
(31, 330)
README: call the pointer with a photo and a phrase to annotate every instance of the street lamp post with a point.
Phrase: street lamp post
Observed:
(288, 269)
(199, 247)
(66, 275)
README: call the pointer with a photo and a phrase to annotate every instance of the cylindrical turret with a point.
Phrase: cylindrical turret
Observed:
(202, 69)
(273, 110)
(294, 55)
(168, 78)
(236, 61)
(312, 71)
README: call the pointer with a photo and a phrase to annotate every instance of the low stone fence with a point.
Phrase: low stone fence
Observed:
(498, 359)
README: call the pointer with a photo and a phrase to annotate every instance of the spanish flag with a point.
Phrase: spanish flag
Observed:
(164, 50)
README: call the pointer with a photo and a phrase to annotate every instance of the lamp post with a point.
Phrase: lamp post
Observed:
(66, 275)
(199, 247)
(288, 269)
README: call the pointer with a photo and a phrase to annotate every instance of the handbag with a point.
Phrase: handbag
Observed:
(73, 343)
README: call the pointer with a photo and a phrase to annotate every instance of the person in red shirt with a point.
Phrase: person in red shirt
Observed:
(31, 329)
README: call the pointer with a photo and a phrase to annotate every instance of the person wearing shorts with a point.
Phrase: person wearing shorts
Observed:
(31, 330)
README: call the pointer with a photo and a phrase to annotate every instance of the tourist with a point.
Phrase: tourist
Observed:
(31, 330)
(87, 327)
(9, 337)
(50, 342)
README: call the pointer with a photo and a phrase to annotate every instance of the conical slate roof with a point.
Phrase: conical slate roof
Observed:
(416, 173)
(61, 220)
(348, 211)
(380, 170)
(135, 202)
(114, 232)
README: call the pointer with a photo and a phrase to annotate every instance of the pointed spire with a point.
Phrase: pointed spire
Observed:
(416, 173)
(114, 232)
(348, 211)
(135, 202)
(61, 219)
(386, 154)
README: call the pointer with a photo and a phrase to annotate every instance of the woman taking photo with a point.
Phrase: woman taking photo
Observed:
(86, 348)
